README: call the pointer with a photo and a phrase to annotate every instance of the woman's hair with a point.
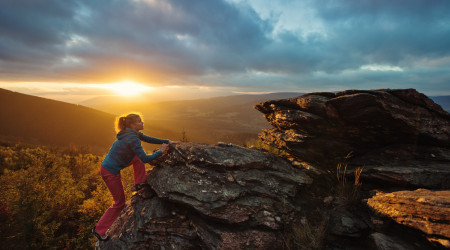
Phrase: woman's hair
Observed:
(124, 121)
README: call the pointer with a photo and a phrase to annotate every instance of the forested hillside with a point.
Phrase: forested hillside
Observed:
(51, 197)
(43, 121)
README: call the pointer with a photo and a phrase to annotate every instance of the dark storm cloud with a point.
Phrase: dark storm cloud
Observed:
(84, 40)
(32, 30)
(392, 32)
(357, 33)
(413, 35)
(190, 37)
(35, 22)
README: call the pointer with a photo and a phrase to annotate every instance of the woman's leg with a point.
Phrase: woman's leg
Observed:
(114, 184)
(139, 170)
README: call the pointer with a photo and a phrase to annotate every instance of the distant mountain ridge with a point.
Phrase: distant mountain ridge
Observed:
(230, 119)
(444, 101)
(102, 103)
(176, 96)
(41, 121)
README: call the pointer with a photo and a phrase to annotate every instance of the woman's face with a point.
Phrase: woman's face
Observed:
(137, 125)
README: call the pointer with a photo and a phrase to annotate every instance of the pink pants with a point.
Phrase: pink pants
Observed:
(114, 184)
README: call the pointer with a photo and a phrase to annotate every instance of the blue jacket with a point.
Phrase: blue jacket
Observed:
(126, 147)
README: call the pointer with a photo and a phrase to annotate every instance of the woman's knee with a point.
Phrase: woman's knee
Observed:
(119, 204)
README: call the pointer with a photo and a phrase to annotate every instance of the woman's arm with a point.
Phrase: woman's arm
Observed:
(140, 153)
(153, 140)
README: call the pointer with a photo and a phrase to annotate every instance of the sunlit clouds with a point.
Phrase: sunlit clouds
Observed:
(128, 91)
(76, 90)
(231, 45)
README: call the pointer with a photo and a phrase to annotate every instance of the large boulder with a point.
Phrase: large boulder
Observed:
(229, 183)
(213, 197)
(398, 136)
(425, 210)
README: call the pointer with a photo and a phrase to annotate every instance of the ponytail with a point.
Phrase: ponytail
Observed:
(124, 121)
(121, 125)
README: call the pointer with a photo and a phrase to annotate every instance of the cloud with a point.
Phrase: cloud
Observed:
(388, 32)
(235, 43)
(376, 67)
(158, 39)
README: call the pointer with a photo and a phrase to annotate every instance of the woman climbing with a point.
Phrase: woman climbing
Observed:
(126, 150)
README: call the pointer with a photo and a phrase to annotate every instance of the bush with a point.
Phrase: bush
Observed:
(50, 197)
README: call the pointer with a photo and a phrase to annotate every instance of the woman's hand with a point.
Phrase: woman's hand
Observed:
(163, 147)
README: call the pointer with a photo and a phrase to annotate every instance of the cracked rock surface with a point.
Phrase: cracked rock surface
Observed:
(212, 197)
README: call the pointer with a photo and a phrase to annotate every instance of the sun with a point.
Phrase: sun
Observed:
(128, 88)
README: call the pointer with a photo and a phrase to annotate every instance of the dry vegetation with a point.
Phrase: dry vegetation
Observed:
(51, 197)
(348, 191)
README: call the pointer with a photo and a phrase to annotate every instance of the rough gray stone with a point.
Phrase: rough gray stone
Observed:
(147, 222)
(229, 183)
(345, 223)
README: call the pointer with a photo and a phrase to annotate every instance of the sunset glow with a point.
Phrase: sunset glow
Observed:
(256, 46)
(128, 88)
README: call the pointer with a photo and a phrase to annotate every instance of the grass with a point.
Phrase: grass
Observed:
(311, 232)
(350, 192)
(304, 234)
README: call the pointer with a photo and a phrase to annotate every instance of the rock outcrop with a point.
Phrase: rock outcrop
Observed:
(212, 197)
(399, 136)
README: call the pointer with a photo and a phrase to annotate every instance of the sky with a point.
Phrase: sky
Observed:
(74, 50)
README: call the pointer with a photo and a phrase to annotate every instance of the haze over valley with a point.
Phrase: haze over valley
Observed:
(230, 119)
